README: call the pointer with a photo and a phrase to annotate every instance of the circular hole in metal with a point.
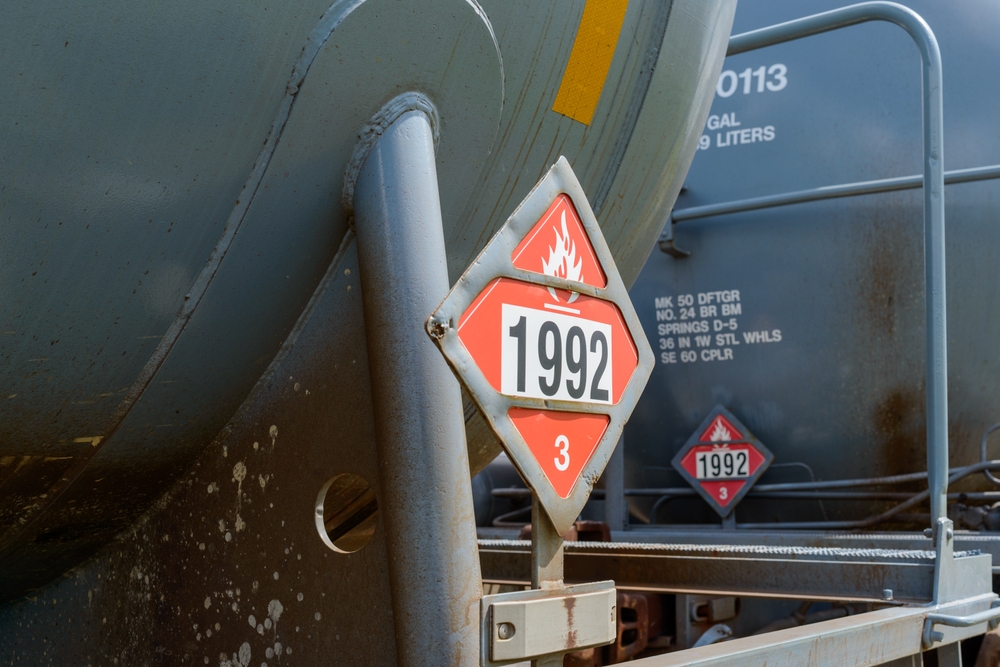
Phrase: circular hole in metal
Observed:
(346, 513)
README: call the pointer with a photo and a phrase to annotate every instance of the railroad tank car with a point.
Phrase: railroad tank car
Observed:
(178, 263)
(807, 320)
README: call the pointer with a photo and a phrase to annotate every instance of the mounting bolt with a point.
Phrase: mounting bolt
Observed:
(887, 594)
(505, 631)
(949, 534)
(436, 328)
(928, 532)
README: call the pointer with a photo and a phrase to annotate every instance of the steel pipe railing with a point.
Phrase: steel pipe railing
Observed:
(831, 192)
(936, 352)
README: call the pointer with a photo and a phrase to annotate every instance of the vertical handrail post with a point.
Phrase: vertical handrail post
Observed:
(426, 503)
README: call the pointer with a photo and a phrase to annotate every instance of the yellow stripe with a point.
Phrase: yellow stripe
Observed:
(590, 59)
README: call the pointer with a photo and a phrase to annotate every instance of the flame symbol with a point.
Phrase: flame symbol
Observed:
(562, 262)
(720, 433)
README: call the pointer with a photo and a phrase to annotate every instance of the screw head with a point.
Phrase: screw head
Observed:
(437, 328)
(887, 594)
(505, 630)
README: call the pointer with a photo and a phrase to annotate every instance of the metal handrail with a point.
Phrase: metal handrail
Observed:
(831, 192)
(930, 635)
(933, 187)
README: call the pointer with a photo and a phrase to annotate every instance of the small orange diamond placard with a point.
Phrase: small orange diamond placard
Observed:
(722, 460)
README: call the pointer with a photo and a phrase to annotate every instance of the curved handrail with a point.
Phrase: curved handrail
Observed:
(933, 181)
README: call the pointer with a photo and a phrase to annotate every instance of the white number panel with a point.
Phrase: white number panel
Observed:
(551, 355)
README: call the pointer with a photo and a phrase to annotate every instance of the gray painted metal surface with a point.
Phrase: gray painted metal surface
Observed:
(166, 221)
(419, 424)
(869, 639)
(204, 559)
(615, 507)
(547, 564)
(840, 394)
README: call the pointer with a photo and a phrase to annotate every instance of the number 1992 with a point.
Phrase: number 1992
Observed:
(723, 464)
(550, 355)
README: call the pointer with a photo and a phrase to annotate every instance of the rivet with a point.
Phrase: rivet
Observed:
(505, 631)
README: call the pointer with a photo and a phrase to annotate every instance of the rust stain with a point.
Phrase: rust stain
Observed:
(569, 602)
(899, 425)
(881, 282)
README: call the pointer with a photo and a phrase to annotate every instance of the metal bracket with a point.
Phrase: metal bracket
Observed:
(667, 244)
(529, 624)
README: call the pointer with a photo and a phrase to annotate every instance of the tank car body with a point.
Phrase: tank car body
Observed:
(807, 320)
(174, 232)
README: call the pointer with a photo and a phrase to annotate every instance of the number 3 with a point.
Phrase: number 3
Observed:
(778, 71)
(723, 492)
(563, 443)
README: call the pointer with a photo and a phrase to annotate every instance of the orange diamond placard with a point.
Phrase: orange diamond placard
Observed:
(541, 332)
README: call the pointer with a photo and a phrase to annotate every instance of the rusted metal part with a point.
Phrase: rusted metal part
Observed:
(592, 531)
(545, 624)
(588, 623)
(714, 610)
(591, 657)
(419, 421)
(633, 625)
(989, 650)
